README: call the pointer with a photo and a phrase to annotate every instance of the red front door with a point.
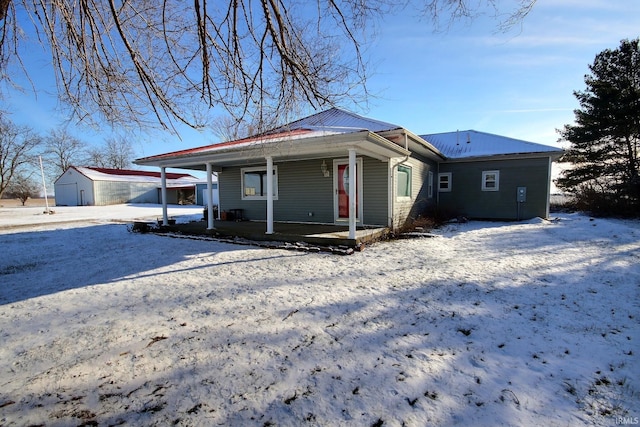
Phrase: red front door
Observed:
(342, 190)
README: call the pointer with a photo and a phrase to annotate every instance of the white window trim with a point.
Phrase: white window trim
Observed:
(254, 169)
(448, 188)
(410, 196)
(430, 185)
(484, 180)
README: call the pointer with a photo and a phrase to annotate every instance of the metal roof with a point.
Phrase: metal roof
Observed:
(340, 121)
(126, 175)
(330, 125)
(471, 144)
(241, 144)
(326, 124)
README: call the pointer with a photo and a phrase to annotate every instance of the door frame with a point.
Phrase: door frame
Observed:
(336, 203)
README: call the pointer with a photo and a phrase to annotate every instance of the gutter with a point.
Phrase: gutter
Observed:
(554, 155)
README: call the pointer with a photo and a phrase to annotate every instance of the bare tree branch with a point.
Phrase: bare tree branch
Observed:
(17, 150)
(145, 62)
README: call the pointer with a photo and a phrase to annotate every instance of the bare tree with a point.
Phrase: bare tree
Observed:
(17, 150)
(63, 150)
(96, 157)
(119, 152)
(167, 62)
(116, 153)
(229, 129)
(23, 187)
(443, 13)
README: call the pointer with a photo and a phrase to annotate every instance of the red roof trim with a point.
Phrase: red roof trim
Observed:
(261, 138)
(129, 172)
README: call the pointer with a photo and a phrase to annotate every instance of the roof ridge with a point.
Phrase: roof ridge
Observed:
(331, 118)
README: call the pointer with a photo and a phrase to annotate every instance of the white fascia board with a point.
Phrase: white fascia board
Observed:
(294, 149)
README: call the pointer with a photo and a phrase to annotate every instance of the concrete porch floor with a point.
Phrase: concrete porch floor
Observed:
(314, 234)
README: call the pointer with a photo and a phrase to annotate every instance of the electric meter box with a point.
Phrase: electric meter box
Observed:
(522, 194)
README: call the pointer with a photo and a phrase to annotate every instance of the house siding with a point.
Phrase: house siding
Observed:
(406, 209)
(303, 190)
(467, 198)
(375, 184)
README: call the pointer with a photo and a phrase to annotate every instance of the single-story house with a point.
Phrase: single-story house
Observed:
(338, 167)
(89, 186)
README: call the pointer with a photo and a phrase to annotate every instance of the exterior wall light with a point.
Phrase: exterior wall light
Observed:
(324, 169)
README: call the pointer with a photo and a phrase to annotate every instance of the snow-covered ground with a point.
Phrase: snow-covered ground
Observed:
(531, 323)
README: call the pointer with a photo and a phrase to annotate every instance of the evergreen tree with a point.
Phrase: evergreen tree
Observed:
(606, 135)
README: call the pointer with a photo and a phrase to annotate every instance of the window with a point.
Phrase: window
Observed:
(430, 185)
(404, 181)
(444, 181)
(490, 180)
(254, 183)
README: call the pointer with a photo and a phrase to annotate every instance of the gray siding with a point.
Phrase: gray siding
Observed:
(407, 209)
(375, 183)
(303, 190)
(467, 198)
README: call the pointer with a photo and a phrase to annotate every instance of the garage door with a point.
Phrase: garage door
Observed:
(67, 194)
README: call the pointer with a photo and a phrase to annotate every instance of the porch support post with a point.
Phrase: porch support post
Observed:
(210, 225)
(352, 193)
(269, 195)
(163, 193)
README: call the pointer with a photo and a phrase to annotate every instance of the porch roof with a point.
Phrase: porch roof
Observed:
(298, 144)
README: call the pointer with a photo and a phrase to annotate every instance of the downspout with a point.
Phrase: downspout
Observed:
(436, 185)
(392, 193)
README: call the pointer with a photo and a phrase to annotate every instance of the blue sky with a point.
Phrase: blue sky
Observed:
(518, 84)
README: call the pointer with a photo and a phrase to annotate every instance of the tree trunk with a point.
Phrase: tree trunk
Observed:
(4, 8)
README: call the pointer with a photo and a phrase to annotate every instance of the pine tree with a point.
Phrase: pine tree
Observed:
(606, 134)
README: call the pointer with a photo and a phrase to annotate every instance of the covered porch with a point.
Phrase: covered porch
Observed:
(274, 155)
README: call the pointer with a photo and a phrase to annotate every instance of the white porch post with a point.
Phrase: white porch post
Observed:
(163, 180)
(352, 193)
(210, 225)
(269, 195)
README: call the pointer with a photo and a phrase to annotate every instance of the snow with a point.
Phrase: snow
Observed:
(528, 323)
(471, 143)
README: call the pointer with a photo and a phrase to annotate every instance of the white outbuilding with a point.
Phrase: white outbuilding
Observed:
(89, 186)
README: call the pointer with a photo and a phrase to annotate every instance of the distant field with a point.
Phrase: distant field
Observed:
(12, 203)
